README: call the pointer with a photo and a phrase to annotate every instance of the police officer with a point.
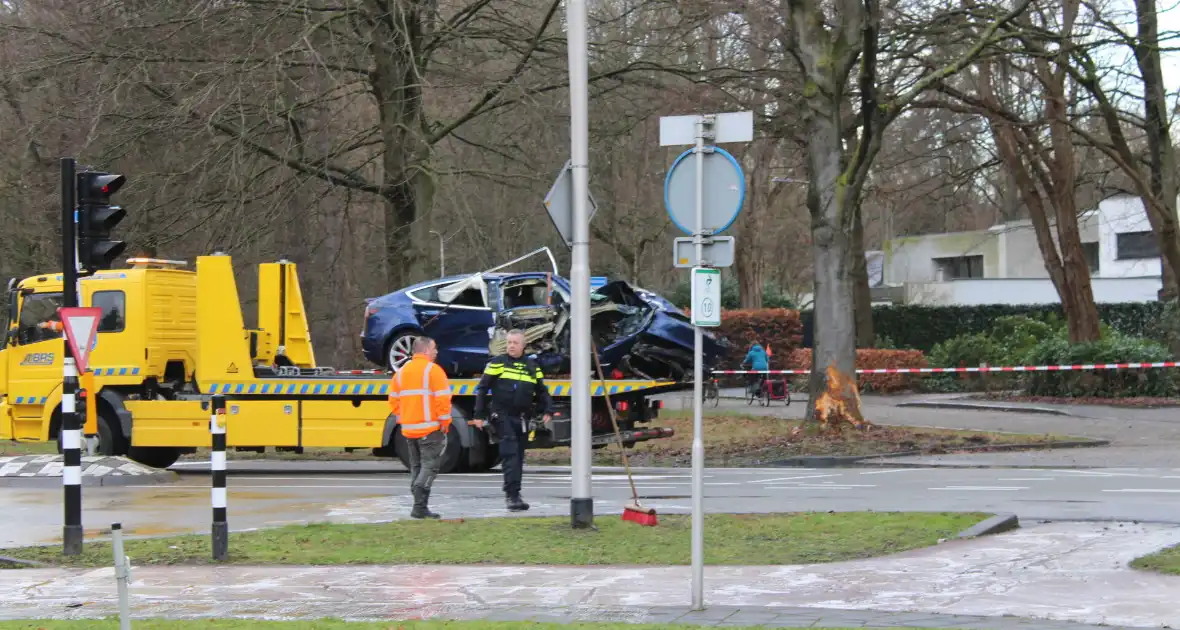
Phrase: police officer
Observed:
(515, 384)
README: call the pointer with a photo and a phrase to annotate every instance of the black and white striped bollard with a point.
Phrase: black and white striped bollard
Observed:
(71, 447)
(217, 461)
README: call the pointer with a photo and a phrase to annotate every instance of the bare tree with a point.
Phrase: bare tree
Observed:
(827, 42)
(1027, 104)
(1154, 176)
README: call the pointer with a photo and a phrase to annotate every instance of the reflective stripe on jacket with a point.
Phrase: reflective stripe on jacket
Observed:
(420, 397)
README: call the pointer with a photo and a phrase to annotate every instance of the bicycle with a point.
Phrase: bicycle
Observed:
(754, 388)
(712, 392)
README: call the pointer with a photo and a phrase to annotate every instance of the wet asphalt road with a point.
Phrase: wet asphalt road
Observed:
(267, 500)
(1136, 478)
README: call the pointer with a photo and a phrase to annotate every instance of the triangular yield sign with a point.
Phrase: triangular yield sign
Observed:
(81, 328)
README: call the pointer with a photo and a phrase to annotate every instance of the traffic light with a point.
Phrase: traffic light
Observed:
(96, 218)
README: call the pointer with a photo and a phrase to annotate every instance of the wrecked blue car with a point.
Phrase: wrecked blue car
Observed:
(637, 333)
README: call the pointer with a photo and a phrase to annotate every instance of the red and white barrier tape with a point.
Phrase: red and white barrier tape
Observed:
(989, 368)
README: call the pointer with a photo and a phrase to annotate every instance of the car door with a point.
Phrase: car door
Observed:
(5, 406)
(459, 322)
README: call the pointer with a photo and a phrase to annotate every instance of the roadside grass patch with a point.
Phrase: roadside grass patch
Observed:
(9, 449)
(1166, 561)
(334, 624)
(730, 539)
(734, 439)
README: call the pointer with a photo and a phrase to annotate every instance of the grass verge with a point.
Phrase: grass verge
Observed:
(730, 539)
(736, 440)
(331, 624)
(1166, 561)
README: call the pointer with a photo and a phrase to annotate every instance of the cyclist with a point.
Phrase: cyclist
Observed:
(758, 361)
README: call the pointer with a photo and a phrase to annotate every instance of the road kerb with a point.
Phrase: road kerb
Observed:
(832, 461)
(996, 524)
(935, 404)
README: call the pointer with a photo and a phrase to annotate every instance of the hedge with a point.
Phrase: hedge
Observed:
(921, 327)
(1112, 348)
(777, 328)
(872, 359)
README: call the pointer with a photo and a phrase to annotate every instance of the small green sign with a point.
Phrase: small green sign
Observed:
(706, 297)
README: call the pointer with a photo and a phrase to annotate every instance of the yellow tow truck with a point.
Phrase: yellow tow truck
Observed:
(169, 338)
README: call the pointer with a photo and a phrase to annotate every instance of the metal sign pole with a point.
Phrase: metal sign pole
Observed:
(122, 576)
(581, 501)
(71, 428)
(703, 201)
(698, 444)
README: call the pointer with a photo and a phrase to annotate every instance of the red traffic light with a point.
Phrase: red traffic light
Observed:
(97, 188)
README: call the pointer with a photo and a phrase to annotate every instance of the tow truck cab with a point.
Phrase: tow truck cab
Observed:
(146, 343)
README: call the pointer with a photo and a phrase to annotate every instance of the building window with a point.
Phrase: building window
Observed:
(114, 310)
(1090, 252)
(1137, 245)
(959, 267)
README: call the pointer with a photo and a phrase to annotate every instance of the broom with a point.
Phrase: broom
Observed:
(633, 511)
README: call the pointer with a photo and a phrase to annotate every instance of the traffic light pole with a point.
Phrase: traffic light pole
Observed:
(71, 429)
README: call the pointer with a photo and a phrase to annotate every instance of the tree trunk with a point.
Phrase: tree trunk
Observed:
(1165, 180)
(833, 359)
(749, 281)
(397, 88)
(749, 263)
(1029, 164)
(865, 335)
(1082, 316)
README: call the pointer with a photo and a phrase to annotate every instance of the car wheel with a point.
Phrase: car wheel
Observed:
(401, 349)
(154, 456)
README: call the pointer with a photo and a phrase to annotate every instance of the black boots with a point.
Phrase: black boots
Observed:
(515, 503)
(420, 511)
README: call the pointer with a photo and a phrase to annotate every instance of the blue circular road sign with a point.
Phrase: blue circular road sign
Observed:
(724, 191)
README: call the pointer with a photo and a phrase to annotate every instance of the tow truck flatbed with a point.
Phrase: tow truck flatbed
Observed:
(182, 340)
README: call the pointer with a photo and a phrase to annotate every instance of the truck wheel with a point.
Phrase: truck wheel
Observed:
(450, 458)
(154, 456)
(110, 437)
(483, 457)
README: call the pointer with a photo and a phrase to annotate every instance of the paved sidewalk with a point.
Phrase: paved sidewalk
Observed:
(712, 616)
(1063, 572)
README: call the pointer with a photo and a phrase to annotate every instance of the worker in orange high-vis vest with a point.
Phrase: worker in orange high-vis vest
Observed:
(420, 397)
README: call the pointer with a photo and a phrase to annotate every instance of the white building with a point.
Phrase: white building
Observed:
(1003, 264)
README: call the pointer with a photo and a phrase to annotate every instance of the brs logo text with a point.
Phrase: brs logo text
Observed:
(38, 358)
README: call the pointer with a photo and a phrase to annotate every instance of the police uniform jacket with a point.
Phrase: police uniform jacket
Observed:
(514, 386)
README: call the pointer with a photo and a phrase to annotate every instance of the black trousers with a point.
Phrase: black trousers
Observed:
(512, 445)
